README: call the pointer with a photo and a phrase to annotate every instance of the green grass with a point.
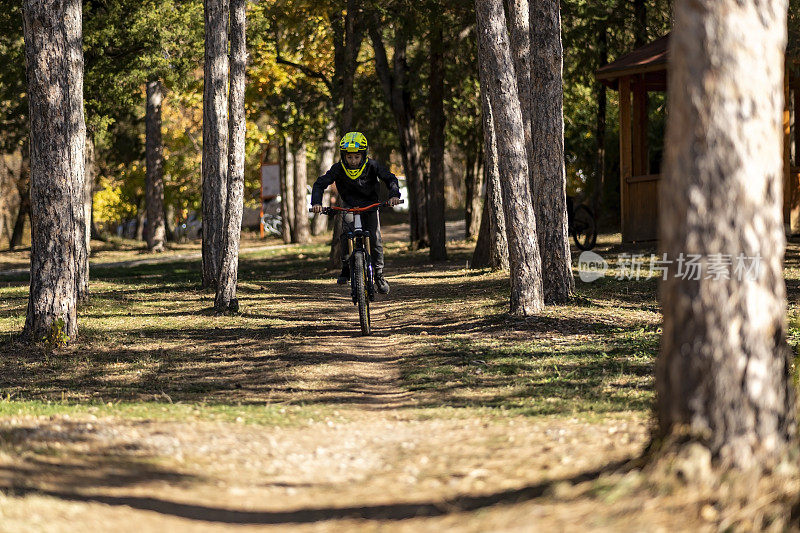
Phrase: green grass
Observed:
(151, 346)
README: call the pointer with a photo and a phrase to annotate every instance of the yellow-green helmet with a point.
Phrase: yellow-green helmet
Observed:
(353, 142)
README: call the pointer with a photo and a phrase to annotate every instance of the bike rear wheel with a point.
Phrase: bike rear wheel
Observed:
(584, 228)
(360, 286)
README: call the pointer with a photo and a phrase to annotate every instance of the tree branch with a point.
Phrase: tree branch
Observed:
(311, 73)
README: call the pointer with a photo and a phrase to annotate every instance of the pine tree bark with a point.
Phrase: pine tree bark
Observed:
(491, 250)
(301, 225)
(54, 68)
(497, 79)
(549, 179)
(229, 263)
(436, 141)
(154, 178)
(723, 373)
(519, 20)
(215, 136)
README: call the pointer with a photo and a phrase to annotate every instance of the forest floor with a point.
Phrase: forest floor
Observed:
(452, 416)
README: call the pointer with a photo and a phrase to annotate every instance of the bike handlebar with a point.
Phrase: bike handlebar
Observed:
(333, 209)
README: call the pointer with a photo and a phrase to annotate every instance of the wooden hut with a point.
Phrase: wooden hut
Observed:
(644, 70)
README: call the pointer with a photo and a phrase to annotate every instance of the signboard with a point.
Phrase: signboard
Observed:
(270, 180)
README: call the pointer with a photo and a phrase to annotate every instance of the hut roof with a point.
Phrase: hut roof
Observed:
(649, 60)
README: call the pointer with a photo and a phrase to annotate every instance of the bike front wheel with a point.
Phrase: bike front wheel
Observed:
(360, 281)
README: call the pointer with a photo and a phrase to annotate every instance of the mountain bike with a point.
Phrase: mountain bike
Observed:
(582, 225)
(362, 286)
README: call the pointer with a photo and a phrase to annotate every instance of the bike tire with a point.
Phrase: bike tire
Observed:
(584, 228)
(360, 286)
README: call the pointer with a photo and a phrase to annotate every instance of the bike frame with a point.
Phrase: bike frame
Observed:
(358, 240)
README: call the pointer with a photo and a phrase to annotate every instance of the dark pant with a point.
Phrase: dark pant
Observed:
(369, 222)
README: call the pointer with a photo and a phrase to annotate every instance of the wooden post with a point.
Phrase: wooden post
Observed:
(639, 139)
(794, 186)
(624, 149)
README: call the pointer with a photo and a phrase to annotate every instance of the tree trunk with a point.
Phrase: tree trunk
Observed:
(497, 79)
(169, 222)
(215, 136)
(354, 34)
(301, 226)
(54, 68)
(473, 184)
(24, 190)
(287, 193)
(141, 220)
(229, 266)
(327, 155)
(519, 24)
(154, 181)
(723, 375)
(491, 250)
(640, 23)
(88, 191)
(549, 179)
(436, 141)
(394, 83)
(600, 128)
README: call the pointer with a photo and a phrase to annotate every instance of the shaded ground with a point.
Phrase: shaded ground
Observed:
(452, 416)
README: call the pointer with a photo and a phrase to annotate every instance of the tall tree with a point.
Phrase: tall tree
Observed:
(723, 373)
(229, 262)
(215, 136)
(497, 78)
(599, 171)
(549, 178)
(54, 64)
(436, 141)
(328, 149)
(301, 226)
(491, 250)
(395, 84)
(154, 178)
(287, 192)
(519, 20)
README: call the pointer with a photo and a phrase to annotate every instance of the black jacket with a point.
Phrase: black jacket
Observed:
(358, 192)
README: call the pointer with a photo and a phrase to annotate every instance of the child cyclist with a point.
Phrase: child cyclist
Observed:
(356, 177)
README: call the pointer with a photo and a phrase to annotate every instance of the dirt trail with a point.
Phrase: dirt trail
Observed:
(371, 459)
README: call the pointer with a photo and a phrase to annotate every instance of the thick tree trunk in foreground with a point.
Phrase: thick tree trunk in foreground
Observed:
(154, 180)
(436, 141)
(549, 180)
(497, 78)
(54, 67)
(215, 136)
(229, 263)
(723, 372)
(301, 225)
